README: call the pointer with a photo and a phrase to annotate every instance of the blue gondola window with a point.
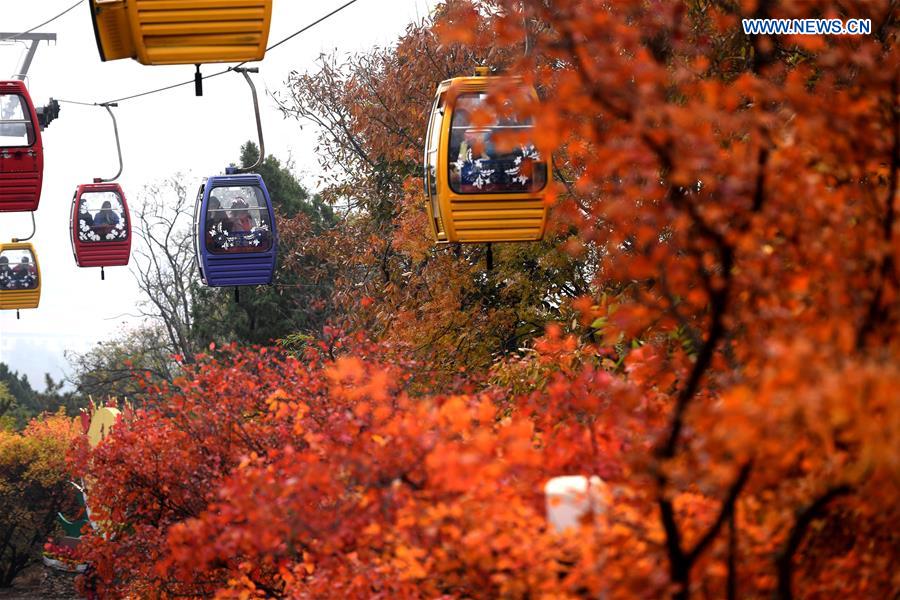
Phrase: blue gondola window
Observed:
(237, 221)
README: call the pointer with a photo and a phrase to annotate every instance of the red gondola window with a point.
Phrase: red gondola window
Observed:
(16, 128)
(491, 151)
(237, 220)
(17, 270)
(102, 217)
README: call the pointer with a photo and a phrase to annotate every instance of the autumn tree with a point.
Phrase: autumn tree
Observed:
(371, 114)
(33, 488)
(742, 191)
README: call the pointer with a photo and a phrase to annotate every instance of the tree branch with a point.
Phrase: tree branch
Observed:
(785, 559)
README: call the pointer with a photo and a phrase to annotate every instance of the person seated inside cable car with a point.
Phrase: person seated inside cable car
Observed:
(105, 220)
(216, 224)
(6, 277)
(24, 275)
(471, 165)
(85, 220)
(240, 226)
(239, 218)
(495, 157)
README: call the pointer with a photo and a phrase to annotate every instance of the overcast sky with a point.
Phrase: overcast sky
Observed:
(161, 134)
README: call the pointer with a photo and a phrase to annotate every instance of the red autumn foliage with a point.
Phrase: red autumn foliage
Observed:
(731, 372)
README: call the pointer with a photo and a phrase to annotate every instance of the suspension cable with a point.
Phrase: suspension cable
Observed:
(47, 22)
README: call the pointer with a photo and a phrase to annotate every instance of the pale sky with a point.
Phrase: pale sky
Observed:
(161, 135)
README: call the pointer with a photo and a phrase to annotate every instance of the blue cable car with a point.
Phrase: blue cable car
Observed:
(235, 241)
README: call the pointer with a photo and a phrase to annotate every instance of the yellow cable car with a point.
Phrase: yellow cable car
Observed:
(20, 276)
(178, 32)
(484, 179)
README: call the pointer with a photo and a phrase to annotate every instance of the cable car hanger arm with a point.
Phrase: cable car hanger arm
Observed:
(33, 231)
(108, 106)
(262, 145)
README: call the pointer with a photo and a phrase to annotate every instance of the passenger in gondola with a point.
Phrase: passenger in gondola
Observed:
(85, 219)
(216, 224)
(240, 224)
(107, 217)
(24, 274)
(475, 163)
(6, 278)
(105, 221)
(458, 133)
(241, 221)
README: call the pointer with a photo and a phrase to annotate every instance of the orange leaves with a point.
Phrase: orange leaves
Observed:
(353, 380)
(455, 413)
(460, 24)
(407, 562)
(549, 131)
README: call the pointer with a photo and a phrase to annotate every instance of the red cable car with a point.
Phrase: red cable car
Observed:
(21, 152)
(100, 226)
(99, 221)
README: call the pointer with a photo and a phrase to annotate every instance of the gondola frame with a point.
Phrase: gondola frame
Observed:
(22, 299)
(99, 253)
(194, 32)
(239, 269)
(20, 191)
(444, 206)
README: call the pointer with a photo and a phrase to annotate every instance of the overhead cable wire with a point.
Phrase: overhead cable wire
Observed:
(47, 22)
(168, 87)
(310, 26)
(222, 72)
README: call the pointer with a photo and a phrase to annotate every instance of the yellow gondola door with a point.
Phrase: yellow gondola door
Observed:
(20, 276)
(484, 178)
(432, 169)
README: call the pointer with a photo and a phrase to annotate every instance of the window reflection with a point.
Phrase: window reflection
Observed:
(237, 220)
(102, 218)
(18, 270)
(493, 157)
(16, 129)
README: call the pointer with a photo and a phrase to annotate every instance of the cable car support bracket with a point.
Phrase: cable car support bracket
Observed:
(262, 145)
(109, 106)
(35, 39)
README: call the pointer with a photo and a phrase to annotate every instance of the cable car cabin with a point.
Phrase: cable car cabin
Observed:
(100, 226)
(21, 153)
(484, 179)
(20, 276)
(235, 241)
(178, 32)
